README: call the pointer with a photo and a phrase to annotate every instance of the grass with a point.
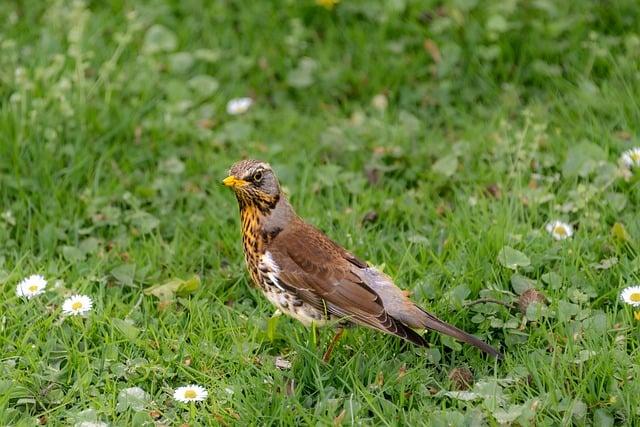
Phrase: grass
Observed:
(490, 119)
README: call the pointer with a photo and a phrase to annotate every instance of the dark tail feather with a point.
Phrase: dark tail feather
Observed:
(410, 335)
(431, 322)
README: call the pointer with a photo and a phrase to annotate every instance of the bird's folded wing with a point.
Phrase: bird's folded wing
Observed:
(320, 273)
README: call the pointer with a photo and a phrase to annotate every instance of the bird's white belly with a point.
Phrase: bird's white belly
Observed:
(303, 313)
(284, 300)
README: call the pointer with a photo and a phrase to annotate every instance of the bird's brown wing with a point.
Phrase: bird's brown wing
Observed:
(320, 273)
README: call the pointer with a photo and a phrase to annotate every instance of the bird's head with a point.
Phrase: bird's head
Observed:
(254, 183)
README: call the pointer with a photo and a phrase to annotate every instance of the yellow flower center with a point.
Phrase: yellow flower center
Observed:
(190, 394)
(635, 297)
(560, 230)
(33, 288)
(76, 305)
(635, 156)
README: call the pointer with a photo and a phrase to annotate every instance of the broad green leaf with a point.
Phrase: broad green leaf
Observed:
(167, 291)
(554, 280)
(451, 343)
(619, 232)
(143, 221)
(512, 258)
(497, 23)
(134, 398)
(605, 264)
(596, 325)
(602, 418)
(536, 310)
(159, 39)
(172, 165)
(582, 159)
(108, 215)
(446, 166)
(89, 245)
(177, 90)
(124, 274)
(203, 86)
(503, 416)
(303, 75)
(459, 293)
(521, 283)
(433, 355)
(566, 310)
(583, 356)
(617, 201)
(207, 55)
(126, 326)
(465, 396)
(181, 62)
(579, 409)
(142, 418)
(86, 416)
(188, 286)
(72, 254)
(409, 122)
(606, 173)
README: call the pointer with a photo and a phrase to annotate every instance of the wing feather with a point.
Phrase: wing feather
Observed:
(320, 273)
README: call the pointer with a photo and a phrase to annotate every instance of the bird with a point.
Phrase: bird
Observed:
(313, 279)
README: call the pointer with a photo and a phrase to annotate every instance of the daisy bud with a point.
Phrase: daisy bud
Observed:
(528, 297)
(461, 378)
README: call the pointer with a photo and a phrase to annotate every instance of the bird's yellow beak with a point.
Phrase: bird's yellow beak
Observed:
(232, 181)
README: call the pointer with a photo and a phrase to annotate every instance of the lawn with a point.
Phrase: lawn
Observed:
(434, 139)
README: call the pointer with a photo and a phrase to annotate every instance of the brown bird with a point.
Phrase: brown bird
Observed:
(313, 279)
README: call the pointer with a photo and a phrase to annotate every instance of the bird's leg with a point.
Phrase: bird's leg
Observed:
(327, 354)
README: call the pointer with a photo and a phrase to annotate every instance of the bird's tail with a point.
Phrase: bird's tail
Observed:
(429, 321)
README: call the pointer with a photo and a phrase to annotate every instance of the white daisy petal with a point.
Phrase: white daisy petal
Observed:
(239, 105)
(77, 305)
(32, 286)
(631, 158)
(559, 230)
(631, 295)
(190, 393)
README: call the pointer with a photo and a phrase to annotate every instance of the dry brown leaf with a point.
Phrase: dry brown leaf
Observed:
(282, 363)
(432, 48)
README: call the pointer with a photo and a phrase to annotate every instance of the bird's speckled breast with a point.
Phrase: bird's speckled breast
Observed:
(287, 302)
(264, 274)
(251, 242)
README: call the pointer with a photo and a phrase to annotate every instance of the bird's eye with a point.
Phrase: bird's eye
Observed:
(257, 177)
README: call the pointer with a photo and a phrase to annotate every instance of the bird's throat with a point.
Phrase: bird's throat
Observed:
(260, 226)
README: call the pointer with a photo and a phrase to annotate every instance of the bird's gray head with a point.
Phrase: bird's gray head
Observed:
(254, 183)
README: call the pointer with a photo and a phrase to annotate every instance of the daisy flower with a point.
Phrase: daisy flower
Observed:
(560, 230)
(190, 393)
(31, 287)
(631, 295)
(77, 305)
(239, 106)
(631, 158)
